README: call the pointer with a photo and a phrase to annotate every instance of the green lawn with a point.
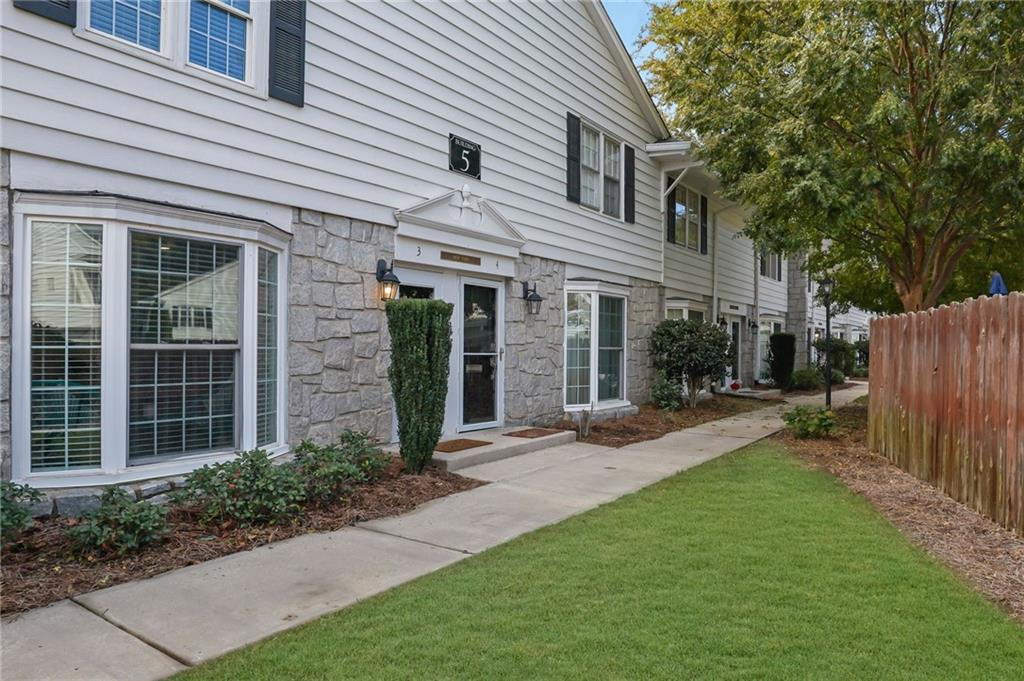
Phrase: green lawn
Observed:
(749, 567)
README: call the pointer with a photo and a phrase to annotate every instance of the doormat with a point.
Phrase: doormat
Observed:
(533, 432)
(449, 446)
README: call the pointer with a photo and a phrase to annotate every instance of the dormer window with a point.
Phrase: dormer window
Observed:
(771, 265)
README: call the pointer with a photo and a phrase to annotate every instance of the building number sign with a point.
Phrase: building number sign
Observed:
(463, 156)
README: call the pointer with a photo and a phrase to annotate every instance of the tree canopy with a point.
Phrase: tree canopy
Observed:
(895, 130)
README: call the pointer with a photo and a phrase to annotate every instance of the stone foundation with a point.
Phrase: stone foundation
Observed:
(5, 316)
(338, 344)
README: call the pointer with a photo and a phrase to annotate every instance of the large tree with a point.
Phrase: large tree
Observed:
(893, 129)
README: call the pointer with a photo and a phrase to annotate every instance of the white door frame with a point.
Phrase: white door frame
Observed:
(731, 319)
(499, 330)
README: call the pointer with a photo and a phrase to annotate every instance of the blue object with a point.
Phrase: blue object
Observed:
(998, 286)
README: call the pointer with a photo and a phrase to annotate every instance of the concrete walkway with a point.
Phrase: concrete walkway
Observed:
(152, 628)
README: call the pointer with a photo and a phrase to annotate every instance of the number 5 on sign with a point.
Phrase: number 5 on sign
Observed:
(463, 156)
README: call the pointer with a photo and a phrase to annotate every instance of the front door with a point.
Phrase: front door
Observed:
(732, 372)
(481, 354)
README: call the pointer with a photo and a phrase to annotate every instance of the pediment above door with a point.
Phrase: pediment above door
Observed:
(458, 230)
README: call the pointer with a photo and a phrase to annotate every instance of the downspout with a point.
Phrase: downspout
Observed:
(757, 317)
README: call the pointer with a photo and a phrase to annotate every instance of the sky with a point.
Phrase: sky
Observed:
(629, 17)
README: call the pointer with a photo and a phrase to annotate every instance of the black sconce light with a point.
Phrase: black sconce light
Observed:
(388, 280)
(722, 323)
(532, 298)
(753, 326)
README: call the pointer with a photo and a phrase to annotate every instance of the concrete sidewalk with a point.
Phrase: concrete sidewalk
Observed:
(151, 628)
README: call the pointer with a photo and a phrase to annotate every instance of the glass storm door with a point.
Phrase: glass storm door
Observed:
(481, 354)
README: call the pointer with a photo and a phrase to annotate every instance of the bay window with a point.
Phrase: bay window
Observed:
(595, 335)
(151, 348)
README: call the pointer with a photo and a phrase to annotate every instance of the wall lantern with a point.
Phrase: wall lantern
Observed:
(388, 280)
(532, 298)
(722, 323)
(753, 326)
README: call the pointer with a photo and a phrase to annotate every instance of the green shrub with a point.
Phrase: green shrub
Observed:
(120, 525)
(421, 342)
(691, 351)
(844, 354)
(837, 377)
(808, 378)
(247, 490)
(14, 511)
(808, 422)
(781, 358)
(666, 393)
(330, 471)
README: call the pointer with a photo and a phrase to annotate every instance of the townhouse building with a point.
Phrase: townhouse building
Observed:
(206, 205)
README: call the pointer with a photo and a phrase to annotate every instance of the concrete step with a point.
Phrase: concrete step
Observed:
(502, 447)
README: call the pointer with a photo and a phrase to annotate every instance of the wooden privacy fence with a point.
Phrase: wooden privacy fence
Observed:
(947, 401)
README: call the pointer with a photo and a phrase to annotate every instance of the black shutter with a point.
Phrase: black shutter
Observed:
(703, 224)
(63, 11)
(778, 268)
(288, 51)
(670, 212)
(572, 157)
(630, 180)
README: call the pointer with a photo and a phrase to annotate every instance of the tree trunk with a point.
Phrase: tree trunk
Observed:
(693, 387)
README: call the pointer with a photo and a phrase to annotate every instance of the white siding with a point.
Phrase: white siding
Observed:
(772, 293)
(385, 85)
(735, 264)
(687, 270)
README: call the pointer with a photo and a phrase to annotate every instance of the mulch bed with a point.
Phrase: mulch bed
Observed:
(41, 568)
(986, 555)
(652, 422)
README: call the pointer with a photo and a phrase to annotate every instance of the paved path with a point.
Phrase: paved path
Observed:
(151, 628)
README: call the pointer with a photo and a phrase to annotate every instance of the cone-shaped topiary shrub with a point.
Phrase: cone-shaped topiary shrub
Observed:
(421, 342)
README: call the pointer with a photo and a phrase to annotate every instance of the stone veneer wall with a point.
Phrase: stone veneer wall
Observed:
(5, 316)
(797, 310)
(645, 306)
(338, 343)
(534, 359)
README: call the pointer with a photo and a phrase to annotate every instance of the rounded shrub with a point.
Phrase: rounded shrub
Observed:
(690, 351)
(808, 378)
(808, 422)
(14, 512)
(120, 525)
(331, 471)
(421, 342)
(248, 490)
(666, 393)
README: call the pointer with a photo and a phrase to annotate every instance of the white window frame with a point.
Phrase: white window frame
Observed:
(601, 137)
(173, 53)
(775, 263)
(687, 306)
(118, 217)
(596, 289)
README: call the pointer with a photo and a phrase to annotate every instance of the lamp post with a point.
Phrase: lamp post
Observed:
(826, 293)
